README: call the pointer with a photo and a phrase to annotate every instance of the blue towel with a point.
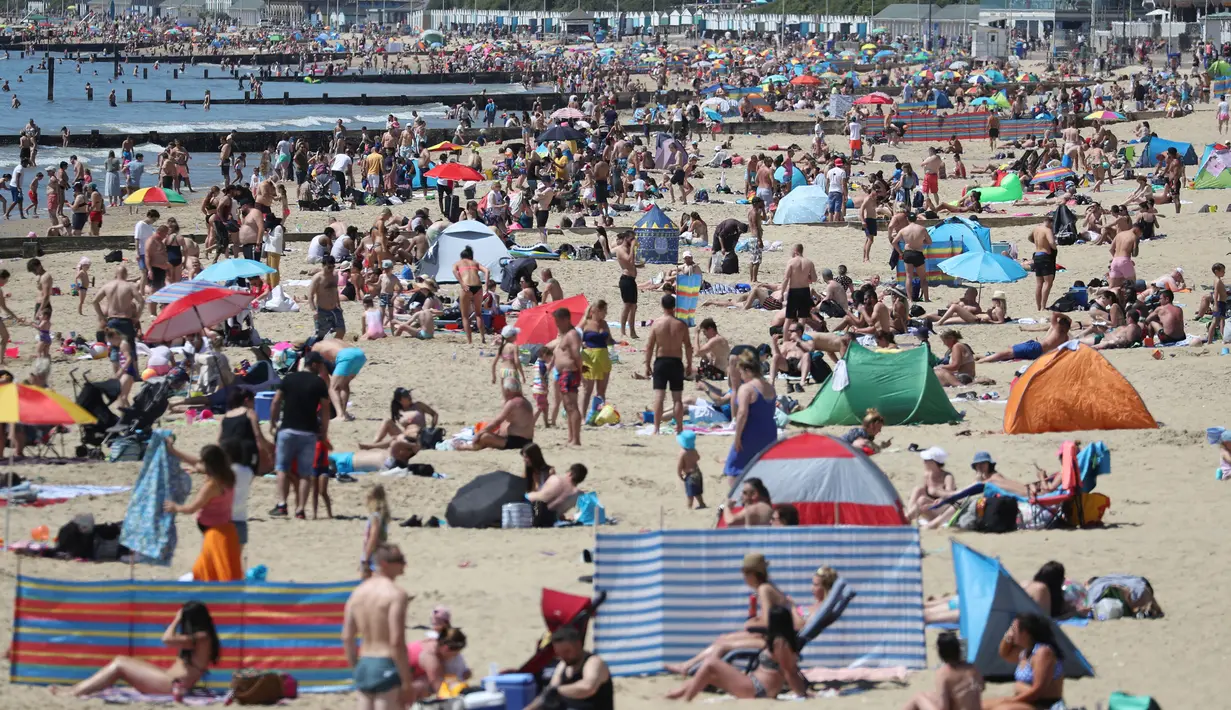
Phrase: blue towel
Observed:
(149, 531)
(1094, 460)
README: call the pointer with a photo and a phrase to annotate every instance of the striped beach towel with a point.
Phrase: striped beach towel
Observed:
(687, 294)
(672, 592)
(65, 631)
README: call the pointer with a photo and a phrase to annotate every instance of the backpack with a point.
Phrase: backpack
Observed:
(730, 263)
(253, 687)
(999, 515)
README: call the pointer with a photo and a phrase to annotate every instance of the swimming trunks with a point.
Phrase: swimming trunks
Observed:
(914, 257)
(1044, 263)
(628, 289)
(515, 443)
(798, 302)
(329, 320)
(869, 226)
(349, 362)
(1167, 339)
(569, 381)
(1122, 268)
(931, 183)
(669, 372)
(374, 676)
(1029, 350)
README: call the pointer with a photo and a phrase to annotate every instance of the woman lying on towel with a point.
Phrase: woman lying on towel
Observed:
(191, 633)
(219, 560)
(778, 664)
(768, 596)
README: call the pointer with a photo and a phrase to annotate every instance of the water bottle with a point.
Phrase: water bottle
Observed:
(489, 683)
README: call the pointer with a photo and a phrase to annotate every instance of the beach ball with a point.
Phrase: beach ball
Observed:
(98, 350)
(147, 374)
(41, 534)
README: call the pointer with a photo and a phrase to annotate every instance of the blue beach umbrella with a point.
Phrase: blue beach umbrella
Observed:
(232, 269)
(983, 267)
(176, 291)
(802, 205)
(797, 176)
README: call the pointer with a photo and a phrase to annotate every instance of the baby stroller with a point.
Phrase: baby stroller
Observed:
(559, 609)
(137, 422)
(96, 398)
(322, 199)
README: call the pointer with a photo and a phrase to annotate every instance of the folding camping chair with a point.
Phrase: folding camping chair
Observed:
(838, 599)
(1048, 510)
(559, 609)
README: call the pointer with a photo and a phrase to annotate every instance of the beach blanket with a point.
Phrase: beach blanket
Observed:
(719, 289)
(687, 294)
(131, 696)
(148, 530)
(38, 495)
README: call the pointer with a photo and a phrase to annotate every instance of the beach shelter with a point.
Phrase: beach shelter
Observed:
(1148, 157)
(444, 253)
(658, 239)
(662, 151)
(988, 600)
(798, 179)
(900, 384)
(802, 205)
(827, 480)
(1215, 170)
(1074, 388)
(952, 237)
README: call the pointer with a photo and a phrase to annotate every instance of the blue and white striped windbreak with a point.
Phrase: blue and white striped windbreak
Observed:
(671, 593)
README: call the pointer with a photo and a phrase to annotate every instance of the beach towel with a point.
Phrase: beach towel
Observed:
(148, 530)
(220, 559)
(1092, 461)
(131, 696)
(687, 293)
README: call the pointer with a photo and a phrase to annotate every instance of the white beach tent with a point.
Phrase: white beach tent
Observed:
(442, 255)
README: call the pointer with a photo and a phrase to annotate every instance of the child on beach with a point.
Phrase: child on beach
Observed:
(82, 282)
(959, 685)
(1224, 463)
(1218, 307)
(689, 470)
(376, 532)
(389, 286)
(125, 363)
(43, 324)
(373, 322)
(539, 387)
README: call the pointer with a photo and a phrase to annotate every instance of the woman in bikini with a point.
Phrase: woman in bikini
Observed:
(471, 276)
(507, 364)
(192, 633)
(1038, 681)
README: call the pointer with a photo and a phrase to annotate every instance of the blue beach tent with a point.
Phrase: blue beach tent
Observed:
(989, 599)
(1148, 152)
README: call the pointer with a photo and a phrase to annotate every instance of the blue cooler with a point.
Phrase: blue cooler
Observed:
(519, 689)
(264, 400)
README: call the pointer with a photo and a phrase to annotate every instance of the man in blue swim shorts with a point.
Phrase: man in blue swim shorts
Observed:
(323, 297)
(376, 612)
(344, 365)
(1057, 335)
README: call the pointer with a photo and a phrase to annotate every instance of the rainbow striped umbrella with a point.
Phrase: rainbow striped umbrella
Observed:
(1105, 116)
(1056, 174)
(28, 404)
(154, 196)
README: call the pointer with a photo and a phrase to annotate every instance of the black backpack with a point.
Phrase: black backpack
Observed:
(730, 263)
(999, 515)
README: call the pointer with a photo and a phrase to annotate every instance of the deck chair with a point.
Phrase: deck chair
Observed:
(559, 609)
(836, 602)
(1051, 506)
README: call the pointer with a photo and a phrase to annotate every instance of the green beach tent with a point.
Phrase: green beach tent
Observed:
(1215, 168)
(898, 384)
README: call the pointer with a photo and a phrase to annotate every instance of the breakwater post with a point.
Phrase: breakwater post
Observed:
(51, 81)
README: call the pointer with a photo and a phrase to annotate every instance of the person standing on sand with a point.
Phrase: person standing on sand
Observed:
(45, 284)
(915, 241)
(566, 349)
(1044, 262)
(323, 298)
(4, 309)
(118, 304)
(797, 285)
(628, 283)
(1124, 247)
(665, 351)
(376, 612)
(756, 220)
(345, 365)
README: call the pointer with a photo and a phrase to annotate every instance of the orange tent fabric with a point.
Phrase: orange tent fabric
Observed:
(1074, 388)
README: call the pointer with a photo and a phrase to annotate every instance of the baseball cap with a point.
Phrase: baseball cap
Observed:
(934, 453)
(509, 332)
(386, 264)
(837, 161)
(687, 440)
(687, 255)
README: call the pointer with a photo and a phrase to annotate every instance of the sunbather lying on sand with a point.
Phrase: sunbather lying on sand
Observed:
(761, 295)
(1046, 589)
(1057, 333)
(1127, 335)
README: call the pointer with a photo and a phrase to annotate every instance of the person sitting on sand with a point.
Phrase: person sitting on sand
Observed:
(195, 639)
(441, 621)
(757, 506)
(959, 685)
(756, 575)
(1057, 334)
(969, 203)
(557, 494)
(958, 367)
(937, 485)
(1125, 336)
(512, 428)
(1031, 644)
(863, 437)
(1166, 323)
(428, 660)
(404, 412)
(778, 664)
(1223, 472)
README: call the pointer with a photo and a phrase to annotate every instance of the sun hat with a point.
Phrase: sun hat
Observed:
(509, 332)
(687, 440)
(999, 295)
(982, 457)
(755, 562)
(687, 255)
(934, 453)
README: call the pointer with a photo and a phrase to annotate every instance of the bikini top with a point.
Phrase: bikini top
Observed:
(595, 338)
(1025, 670)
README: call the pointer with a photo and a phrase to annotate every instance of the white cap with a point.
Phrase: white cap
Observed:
(687, 255)
(509, 332)
(934, 453)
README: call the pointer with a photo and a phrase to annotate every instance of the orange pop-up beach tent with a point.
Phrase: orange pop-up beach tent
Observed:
(1074, 388)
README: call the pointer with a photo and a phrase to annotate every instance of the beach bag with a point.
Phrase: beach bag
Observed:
(590, 511)
(1124, 701)
(126, 448)
(253, 687)
(730, 263)
(607, 415)
(429, 437)
(999, 515)
(1090, 513)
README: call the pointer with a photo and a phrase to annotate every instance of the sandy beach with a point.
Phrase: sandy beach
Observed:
(1162, 523)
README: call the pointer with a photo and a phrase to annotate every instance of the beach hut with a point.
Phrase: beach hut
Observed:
(658, 239)
(444, 253)
(989, 599)
(899, 384)
(1215, 170)
(1074, 388)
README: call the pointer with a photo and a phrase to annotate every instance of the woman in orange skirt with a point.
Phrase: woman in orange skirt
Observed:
(220, 559)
